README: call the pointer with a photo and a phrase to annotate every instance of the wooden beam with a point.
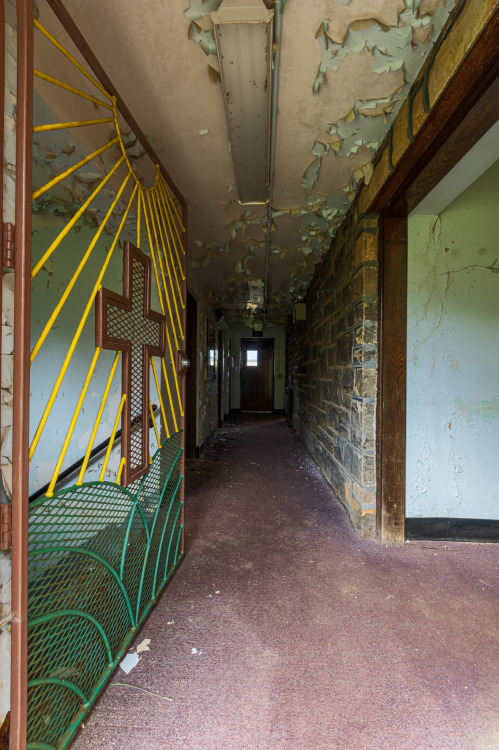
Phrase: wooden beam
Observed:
(392, 368)
(465, 90)
(469, 131)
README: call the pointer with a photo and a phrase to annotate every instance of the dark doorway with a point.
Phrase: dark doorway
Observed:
(221, 373)
(191, 389)
(257, 375)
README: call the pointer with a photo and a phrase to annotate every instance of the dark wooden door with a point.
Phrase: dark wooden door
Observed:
(257, 375)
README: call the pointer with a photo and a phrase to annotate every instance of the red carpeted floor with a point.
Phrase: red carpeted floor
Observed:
(282, 630)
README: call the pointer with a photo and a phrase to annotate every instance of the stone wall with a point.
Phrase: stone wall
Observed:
(332, 368)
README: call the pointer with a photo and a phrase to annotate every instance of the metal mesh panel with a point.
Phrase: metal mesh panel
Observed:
(98, 555)
(131, 325)
(48, 705)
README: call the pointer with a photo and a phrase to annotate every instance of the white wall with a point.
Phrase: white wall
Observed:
(279, 336)
(453, 357)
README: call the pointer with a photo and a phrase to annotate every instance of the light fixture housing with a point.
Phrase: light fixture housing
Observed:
(257, 293)
(244, 35)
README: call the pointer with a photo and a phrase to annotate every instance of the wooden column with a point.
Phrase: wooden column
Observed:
(392, 371)
(20, 430)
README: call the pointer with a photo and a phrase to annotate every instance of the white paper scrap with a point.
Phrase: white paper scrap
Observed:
(129, 662)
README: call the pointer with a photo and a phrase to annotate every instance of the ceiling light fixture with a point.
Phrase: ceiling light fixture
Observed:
(243, 33)
(257, 293)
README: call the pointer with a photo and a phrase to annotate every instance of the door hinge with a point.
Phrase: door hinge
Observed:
(5, 527)
(8, 245)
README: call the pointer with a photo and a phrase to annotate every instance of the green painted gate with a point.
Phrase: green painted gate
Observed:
(108, 298)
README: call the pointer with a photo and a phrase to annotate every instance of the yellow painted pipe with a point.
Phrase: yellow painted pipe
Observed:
(120, 470)
(72, 169)
(72, 89)
(165, 206)
(154, 424)
(77, 335)
(167, 265)
(165, 421)
(138, 219)
(67, 125)
(165, 186)
(165, 234)
(71, 58)
(166, 327)
(111, 439)
(160, 265)
(97, 420)
(55, 244)
(72, 425)
(167, 382)
(75, 276)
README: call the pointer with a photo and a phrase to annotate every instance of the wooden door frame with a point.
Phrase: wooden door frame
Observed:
(258, 341)
(466, 110)
(220, 377)
(191, 388)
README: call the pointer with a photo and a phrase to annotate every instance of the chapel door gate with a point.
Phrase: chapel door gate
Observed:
(107, 329)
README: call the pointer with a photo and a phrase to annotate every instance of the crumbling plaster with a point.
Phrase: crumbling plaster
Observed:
(369, 54)
(366, 54)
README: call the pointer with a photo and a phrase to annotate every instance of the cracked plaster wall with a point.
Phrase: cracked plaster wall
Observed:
(453, 357)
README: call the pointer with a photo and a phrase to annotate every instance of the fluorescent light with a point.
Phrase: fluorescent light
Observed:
(243, 33)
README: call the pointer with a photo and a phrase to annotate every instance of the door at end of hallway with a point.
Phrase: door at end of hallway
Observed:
(257, 375)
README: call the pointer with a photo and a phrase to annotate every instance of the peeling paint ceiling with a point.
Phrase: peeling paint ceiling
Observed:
(345, 68)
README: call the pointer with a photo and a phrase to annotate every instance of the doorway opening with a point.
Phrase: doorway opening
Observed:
(453, 356)
(452, 138)
(257, 375)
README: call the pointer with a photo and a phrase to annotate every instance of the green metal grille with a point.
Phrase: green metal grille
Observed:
(99, 556)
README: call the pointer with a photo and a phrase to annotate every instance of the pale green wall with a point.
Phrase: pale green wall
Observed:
(46, 291)
(453, 357)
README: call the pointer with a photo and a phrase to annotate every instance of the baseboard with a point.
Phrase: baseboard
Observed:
(453, 529)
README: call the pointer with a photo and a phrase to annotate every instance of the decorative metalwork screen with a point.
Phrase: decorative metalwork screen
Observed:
(106, 518)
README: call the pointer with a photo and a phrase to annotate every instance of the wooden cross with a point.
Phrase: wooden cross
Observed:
(127, 324)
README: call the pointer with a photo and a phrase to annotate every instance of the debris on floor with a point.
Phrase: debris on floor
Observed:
(129, 662)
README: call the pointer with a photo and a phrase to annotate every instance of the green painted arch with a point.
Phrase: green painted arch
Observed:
(75, 613)
(61, 683)
(95, 556)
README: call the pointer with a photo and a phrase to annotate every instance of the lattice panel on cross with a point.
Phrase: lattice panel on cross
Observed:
(128, 324)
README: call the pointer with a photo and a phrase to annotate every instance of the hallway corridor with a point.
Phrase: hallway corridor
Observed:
(283, 630)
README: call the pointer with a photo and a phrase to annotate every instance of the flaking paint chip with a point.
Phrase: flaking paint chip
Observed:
(203, 132)
(143, 645)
